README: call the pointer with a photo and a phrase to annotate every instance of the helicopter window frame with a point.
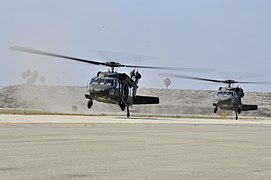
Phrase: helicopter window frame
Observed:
(225, 93)
(94, 81)
(130, 91)
(219, 93)
(117, 85)
(235, 94)
(231, 93)
(103, 81)
(110, 82)
(120, 86)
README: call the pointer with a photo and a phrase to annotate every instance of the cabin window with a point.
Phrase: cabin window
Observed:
(117, 86)
(219, 93)
(101, 81)
(131, 91)
(109, 82)
(230, 93)
(120, 85)
(94, 81)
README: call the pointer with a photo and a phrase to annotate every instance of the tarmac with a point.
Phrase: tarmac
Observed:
(114, 147)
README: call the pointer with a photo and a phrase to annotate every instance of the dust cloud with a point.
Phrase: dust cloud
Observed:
(173, 102)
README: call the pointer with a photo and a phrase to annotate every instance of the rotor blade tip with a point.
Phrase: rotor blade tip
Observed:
(15, 48)
(12, 48)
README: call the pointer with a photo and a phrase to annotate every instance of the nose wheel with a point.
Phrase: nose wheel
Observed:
(128, 112)
(90, 104)
(236, 115)
(215, 110)
(122, 106)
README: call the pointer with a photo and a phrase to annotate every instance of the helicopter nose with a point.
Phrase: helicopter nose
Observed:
(223, 100)
(95, 88)
(96, 91)
(226, 102)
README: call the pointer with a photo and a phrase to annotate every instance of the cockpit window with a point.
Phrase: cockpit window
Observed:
(219, 93)
(102, 81)
(94, 81)
(230, 93)
(109, 82)
(225, 93)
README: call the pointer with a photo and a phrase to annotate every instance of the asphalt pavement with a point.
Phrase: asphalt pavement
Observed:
(105, 147)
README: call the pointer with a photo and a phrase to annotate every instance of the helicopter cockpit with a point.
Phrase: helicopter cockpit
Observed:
(103, 81)
(225, 94)
(97, 84)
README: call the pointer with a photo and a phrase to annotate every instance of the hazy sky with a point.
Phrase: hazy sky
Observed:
(226, 35)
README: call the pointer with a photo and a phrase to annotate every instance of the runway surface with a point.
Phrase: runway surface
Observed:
(105, 147)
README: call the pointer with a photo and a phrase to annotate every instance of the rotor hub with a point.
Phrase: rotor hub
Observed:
(230, 81)
(113, 64)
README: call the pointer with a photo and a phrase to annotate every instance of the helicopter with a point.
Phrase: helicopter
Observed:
(228, 97)
(112, 87)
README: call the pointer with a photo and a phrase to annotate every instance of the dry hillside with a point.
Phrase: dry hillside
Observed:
(172, 101)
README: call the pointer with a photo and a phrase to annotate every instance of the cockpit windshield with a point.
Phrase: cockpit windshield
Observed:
(94, 81)
(109, 82)
(102, 81)
(224, 93)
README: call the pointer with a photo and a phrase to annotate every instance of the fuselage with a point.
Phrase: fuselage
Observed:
(227, 99)
(111, 88)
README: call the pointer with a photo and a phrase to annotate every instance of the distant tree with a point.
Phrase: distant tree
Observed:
(42, 79)
(167, 82)
(30, 77)
(35, 74)
(28, 73)
(29, 81)
(34, 77)
(24, 75)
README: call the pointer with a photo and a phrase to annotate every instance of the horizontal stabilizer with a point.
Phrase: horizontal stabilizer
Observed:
(246, 107)
(146, 100)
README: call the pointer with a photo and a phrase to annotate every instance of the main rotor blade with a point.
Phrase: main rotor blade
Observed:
(124, 57)
(170, 68)
(190, 77)
(109, 64)
(251, 82)
(34, 51)
(212, 80)
(136, 58)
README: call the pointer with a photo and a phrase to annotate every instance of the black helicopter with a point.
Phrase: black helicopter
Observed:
(226, 98)
(112, 87)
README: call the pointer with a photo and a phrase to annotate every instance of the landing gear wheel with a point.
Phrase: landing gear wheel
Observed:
(128, 112)
(90, 104)
(215, 110)
(236, 117)
(122, 106)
